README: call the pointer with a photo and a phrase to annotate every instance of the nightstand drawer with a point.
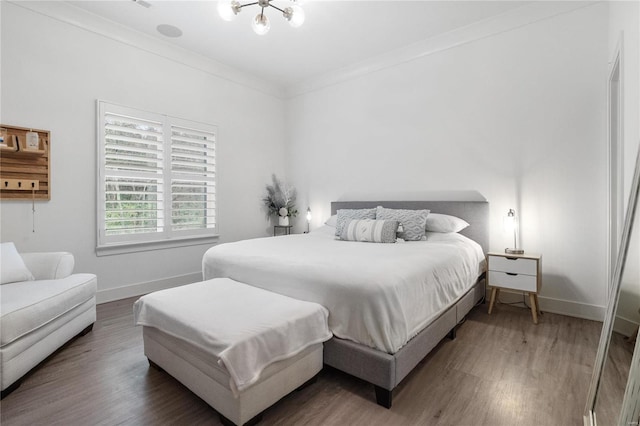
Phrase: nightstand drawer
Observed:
(516, 282)
(516, 265)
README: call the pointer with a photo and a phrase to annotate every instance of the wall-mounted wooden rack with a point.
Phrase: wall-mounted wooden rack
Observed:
(25, 171)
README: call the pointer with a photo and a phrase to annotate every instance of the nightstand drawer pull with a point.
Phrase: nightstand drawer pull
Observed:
(511, 258)
(511, 273)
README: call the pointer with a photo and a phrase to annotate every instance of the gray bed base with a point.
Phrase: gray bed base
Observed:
(385, 371)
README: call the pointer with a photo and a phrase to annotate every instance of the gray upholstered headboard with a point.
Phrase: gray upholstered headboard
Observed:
(474, 212)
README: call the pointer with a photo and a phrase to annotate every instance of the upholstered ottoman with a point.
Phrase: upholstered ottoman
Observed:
(239, 348)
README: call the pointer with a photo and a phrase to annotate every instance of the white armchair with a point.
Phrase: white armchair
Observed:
(43, 305)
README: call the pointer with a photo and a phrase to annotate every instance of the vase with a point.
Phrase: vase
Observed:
(283, 220)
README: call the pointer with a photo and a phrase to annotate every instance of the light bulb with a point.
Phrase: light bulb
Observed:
(261, 24)
(295, 15)
(228, 10)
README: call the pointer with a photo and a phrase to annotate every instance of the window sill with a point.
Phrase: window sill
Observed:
(134, 247)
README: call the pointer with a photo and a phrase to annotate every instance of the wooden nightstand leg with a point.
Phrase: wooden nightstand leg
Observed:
(537, 304)
(534, 307)
(492, 300)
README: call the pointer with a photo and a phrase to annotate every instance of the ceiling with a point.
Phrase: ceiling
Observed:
(336, 34)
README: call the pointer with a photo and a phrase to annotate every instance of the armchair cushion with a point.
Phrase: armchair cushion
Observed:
(28, 305)
(12, 267)
(50, 265)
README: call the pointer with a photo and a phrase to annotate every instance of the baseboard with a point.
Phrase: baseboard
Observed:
(132, 290)
(559, 306)
(625, 326)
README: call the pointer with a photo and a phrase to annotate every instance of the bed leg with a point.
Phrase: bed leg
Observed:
(384, 397)
(452, 334)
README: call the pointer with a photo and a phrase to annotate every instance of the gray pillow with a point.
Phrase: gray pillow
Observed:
(370, 230)
(413, 221)
(344, 215)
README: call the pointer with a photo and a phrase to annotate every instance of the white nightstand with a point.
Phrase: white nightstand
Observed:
(521, 272)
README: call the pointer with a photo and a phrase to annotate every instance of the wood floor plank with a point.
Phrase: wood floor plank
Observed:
(500, 370)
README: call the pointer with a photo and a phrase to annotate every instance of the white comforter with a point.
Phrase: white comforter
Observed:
(242, 327)
(379, 295)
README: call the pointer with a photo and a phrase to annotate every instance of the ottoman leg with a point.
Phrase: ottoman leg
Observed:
(155, 366)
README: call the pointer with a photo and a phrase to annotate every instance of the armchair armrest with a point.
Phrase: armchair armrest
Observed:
(49, 266)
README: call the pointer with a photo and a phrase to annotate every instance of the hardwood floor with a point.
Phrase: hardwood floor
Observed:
(500, 370)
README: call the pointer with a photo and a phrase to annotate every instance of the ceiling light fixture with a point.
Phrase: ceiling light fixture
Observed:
(229, 9)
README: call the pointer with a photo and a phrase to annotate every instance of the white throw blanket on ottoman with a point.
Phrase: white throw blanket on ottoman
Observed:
(244, 328)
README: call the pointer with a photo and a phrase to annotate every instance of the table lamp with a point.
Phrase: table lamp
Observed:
(511, 224)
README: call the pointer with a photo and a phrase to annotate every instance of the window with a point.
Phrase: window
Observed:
(157, 179)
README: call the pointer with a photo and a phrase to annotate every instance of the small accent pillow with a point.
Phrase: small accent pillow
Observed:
(370, 231)
(332, 221)
(437, 222)
(12, 267)
(413, 221)
(344, 215)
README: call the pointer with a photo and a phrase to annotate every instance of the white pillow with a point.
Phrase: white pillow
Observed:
(444, 223)
(332, 221)
(12, 267)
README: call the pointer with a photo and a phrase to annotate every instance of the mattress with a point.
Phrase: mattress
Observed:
(378, 295)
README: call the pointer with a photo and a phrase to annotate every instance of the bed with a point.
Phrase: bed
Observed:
(386, 313)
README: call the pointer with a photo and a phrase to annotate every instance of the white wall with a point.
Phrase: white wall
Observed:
(519, 116)
(624, 24)
(52, 74)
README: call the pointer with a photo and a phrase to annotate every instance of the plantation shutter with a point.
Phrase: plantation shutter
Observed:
(157, 179)
(192, 179)
(133, 175)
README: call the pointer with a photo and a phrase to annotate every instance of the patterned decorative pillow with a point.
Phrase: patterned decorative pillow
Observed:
(344, 215)
(413, 221)
(370, 230)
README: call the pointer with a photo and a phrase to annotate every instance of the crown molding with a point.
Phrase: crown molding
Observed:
(528, 14)
(79, 18)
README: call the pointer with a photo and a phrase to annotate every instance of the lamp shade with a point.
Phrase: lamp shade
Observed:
(228, 10)
(509, 221)
(261, 24)
(296, 16)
